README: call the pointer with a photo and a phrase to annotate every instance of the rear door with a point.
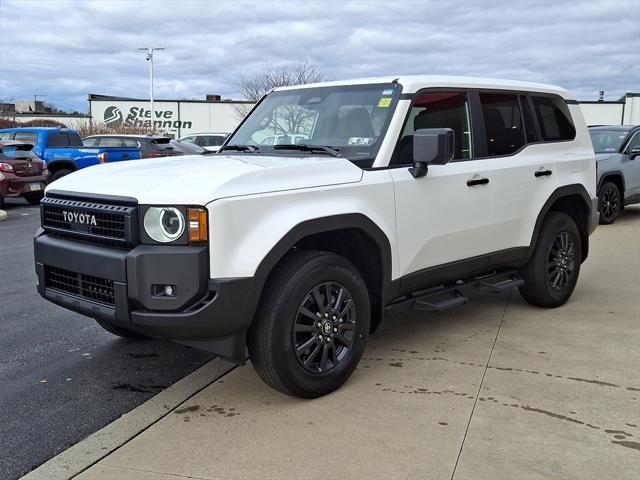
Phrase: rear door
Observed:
(631, 167)
(444, 217)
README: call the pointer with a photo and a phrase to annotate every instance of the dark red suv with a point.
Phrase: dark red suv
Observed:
(22, 173)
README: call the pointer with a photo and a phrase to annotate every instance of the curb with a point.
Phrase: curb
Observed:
(105, 441)
(3, 215)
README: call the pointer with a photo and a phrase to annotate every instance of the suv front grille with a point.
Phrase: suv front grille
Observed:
(97, 289)
(104, 223)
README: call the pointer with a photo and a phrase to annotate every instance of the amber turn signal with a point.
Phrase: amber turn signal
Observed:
(198, 225)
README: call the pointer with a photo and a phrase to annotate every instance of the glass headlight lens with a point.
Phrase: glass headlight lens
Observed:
(164, 224)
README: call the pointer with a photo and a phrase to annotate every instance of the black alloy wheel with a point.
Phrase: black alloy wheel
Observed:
(609, 203)
(323, 331)
(561, 261)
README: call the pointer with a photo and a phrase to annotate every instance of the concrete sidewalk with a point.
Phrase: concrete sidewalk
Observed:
(494, 390)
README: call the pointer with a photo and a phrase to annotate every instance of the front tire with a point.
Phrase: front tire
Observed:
(120, 332)
(312, 325)
(609, 203)
(552, 272)
(60, 173)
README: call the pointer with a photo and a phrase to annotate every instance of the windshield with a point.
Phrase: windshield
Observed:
(349, 119)
(607, 141)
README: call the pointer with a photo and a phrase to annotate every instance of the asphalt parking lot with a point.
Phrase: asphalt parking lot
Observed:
(494, 390)
(62, 376)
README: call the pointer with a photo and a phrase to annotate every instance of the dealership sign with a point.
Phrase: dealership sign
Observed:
(141, 117)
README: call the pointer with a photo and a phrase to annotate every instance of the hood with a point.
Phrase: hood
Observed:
(198, 179)
(606, 156)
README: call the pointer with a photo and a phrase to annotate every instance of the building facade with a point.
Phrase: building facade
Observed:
(175, 117)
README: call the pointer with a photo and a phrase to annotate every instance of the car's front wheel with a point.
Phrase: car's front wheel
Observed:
(312, 325)
(609, 203)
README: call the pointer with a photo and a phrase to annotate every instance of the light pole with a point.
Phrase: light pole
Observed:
(150, 51)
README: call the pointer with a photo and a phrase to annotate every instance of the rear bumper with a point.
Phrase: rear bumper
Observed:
(15, 186)
(206, 313)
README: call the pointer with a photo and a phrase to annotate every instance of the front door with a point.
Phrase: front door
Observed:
(444, 217)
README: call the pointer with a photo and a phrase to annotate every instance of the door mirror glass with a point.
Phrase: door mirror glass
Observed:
(433, 146)
(634, 152)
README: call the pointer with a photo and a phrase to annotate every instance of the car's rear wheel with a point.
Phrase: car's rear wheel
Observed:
(60, 173)
(312, 325)
(552, 272)
(609, 203)
(121, 332)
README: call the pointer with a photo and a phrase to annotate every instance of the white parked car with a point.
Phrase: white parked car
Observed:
(410, 193)
(208, 141)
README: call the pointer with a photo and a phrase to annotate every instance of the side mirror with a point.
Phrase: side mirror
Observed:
(431, 146)
(635, 151)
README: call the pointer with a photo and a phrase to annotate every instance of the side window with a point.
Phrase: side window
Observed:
(27, 137)
(6, 135)
(210, 141)
(554, 118)
(634, 142)
(502, 122)
(189, 140)
(58, 139)
(110, 142)
(437, 110)
(90, 142)
(130, 142)
(74, 139)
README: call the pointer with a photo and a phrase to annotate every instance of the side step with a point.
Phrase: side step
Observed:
(443, 297)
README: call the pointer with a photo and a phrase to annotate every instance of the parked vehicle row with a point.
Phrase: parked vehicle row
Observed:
(63, 150)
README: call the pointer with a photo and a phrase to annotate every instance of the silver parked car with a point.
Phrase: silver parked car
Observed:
(617, 150)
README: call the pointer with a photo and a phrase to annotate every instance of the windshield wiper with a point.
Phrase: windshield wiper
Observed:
(240, 148)
(305, 147)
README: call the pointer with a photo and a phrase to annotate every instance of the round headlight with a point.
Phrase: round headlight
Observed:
(164, 224)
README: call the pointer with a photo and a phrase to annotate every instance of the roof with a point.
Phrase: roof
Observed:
(36, 129)
(126, 135)
(413, 83)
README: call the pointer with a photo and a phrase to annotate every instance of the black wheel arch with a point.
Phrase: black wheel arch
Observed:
(62, 164)
(616, 177)
(310, 234)
(575, 201)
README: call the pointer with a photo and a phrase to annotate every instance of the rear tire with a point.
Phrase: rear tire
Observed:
(33, 198)
(60, 173)
(1, 202)
(312, 325)
(552, 272)
(121, 332)
(609, 203)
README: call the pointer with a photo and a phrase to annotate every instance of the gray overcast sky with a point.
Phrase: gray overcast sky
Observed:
(66, 49)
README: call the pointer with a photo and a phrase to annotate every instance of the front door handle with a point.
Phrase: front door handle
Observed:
(542, 173)
(477, 180)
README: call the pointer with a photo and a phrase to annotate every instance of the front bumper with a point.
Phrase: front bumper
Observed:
(203, 312)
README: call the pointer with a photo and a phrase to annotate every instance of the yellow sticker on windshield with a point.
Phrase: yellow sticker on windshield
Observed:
(384, 102)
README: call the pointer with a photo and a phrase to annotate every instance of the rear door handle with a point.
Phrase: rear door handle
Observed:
(477, 180)
(542, 173)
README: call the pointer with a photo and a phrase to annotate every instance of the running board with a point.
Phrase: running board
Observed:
(443, 297)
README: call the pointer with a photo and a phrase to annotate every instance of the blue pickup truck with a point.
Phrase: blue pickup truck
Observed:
(63, 151)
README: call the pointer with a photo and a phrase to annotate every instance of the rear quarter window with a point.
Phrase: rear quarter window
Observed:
(27, 137)
(58, 139)
(554, 118)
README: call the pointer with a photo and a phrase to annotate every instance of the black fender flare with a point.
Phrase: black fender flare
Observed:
(312, 227)
(611, 173)
(557, 194)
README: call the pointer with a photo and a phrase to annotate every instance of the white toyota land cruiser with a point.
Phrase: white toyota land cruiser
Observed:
(379, 195)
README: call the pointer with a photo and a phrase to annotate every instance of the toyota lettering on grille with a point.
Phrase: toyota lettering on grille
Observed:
(79, 218)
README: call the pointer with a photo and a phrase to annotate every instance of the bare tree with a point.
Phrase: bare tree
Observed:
(254, 88)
